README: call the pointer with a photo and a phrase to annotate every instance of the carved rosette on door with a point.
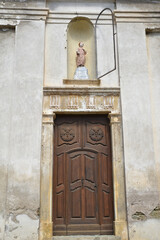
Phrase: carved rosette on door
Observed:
(82, 184)
(96, 134)
(67, 134)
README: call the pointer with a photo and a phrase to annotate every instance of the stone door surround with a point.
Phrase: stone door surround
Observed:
(82, 101)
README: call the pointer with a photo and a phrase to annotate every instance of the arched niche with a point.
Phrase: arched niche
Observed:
(80, 29)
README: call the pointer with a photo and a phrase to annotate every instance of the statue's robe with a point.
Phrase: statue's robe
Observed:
(80, 60)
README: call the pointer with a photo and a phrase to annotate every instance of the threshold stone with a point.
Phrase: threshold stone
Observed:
(86, 237)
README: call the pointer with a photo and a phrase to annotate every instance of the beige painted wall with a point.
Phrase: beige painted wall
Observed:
(140, 90)
(7, 41)
(22, 55)
(21, 84)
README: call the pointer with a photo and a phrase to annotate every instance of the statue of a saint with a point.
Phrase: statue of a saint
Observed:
(81, 71)
(81, 52)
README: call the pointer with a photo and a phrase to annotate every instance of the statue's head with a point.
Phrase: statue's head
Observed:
(81, 44)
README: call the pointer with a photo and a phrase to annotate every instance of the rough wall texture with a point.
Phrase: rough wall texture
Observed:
(21, 107)
(22, 3)
(21, 82)
(134, 5)
(7, 40)
(140, 90)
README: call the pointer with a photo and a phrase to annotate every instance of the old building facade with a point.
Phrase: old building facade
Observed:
(80, 156)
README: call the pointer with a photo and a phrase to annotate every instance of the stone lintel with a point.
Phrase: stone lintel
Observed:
(81, 91)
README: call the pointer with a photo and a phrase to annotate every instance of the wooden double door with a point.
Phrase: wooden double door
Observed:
(82, 176)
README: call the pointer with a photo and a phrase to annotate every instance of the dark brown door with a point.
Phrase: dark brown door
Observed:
(82, 183)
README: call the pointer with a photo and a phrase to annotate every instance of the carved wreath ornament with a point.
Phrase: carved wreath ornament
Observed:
(67, 134)
(96, 134)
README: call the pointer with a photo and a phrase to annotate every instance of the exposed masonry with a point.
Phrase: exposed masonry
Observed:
(143, 206)
(139, 216)
(153, 214)
(156, 212)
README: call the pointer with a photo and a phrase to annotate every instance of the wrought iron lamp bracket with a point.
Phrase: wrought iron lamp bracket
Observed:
(113, 36)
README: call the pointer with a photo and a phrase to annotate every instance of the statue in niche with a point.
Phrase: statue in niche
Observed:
(81, 71)
(81, 52)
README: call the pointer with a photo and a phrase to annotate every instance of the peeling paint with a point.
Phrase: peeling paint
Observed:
(31, 213)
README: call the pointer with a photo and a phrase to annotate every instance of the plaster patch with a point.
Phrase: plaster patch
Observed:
(25, 228)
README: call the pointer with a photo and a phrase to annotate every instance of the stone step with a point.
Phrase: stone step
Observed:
(85, 237)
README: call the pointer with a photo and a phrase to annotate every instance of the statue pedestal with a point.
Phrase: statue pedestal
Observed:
(82, 82)
(81, 73)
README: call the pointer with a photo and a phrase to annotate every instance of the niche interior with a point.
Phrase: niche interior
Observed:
(80, 29)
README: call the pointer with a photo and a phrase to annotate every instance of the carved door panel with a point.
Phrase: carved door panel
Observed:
(82, 184)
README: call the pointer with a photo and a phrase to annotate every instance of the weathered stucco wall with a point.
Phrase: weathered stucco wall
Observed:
(7, 40)
(30, 34)
(22, 63)
(22, 3)
(140, 95)
(134, 5)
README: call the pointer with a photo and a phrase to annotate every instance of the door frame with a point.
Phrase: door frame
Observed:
(120, 214)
